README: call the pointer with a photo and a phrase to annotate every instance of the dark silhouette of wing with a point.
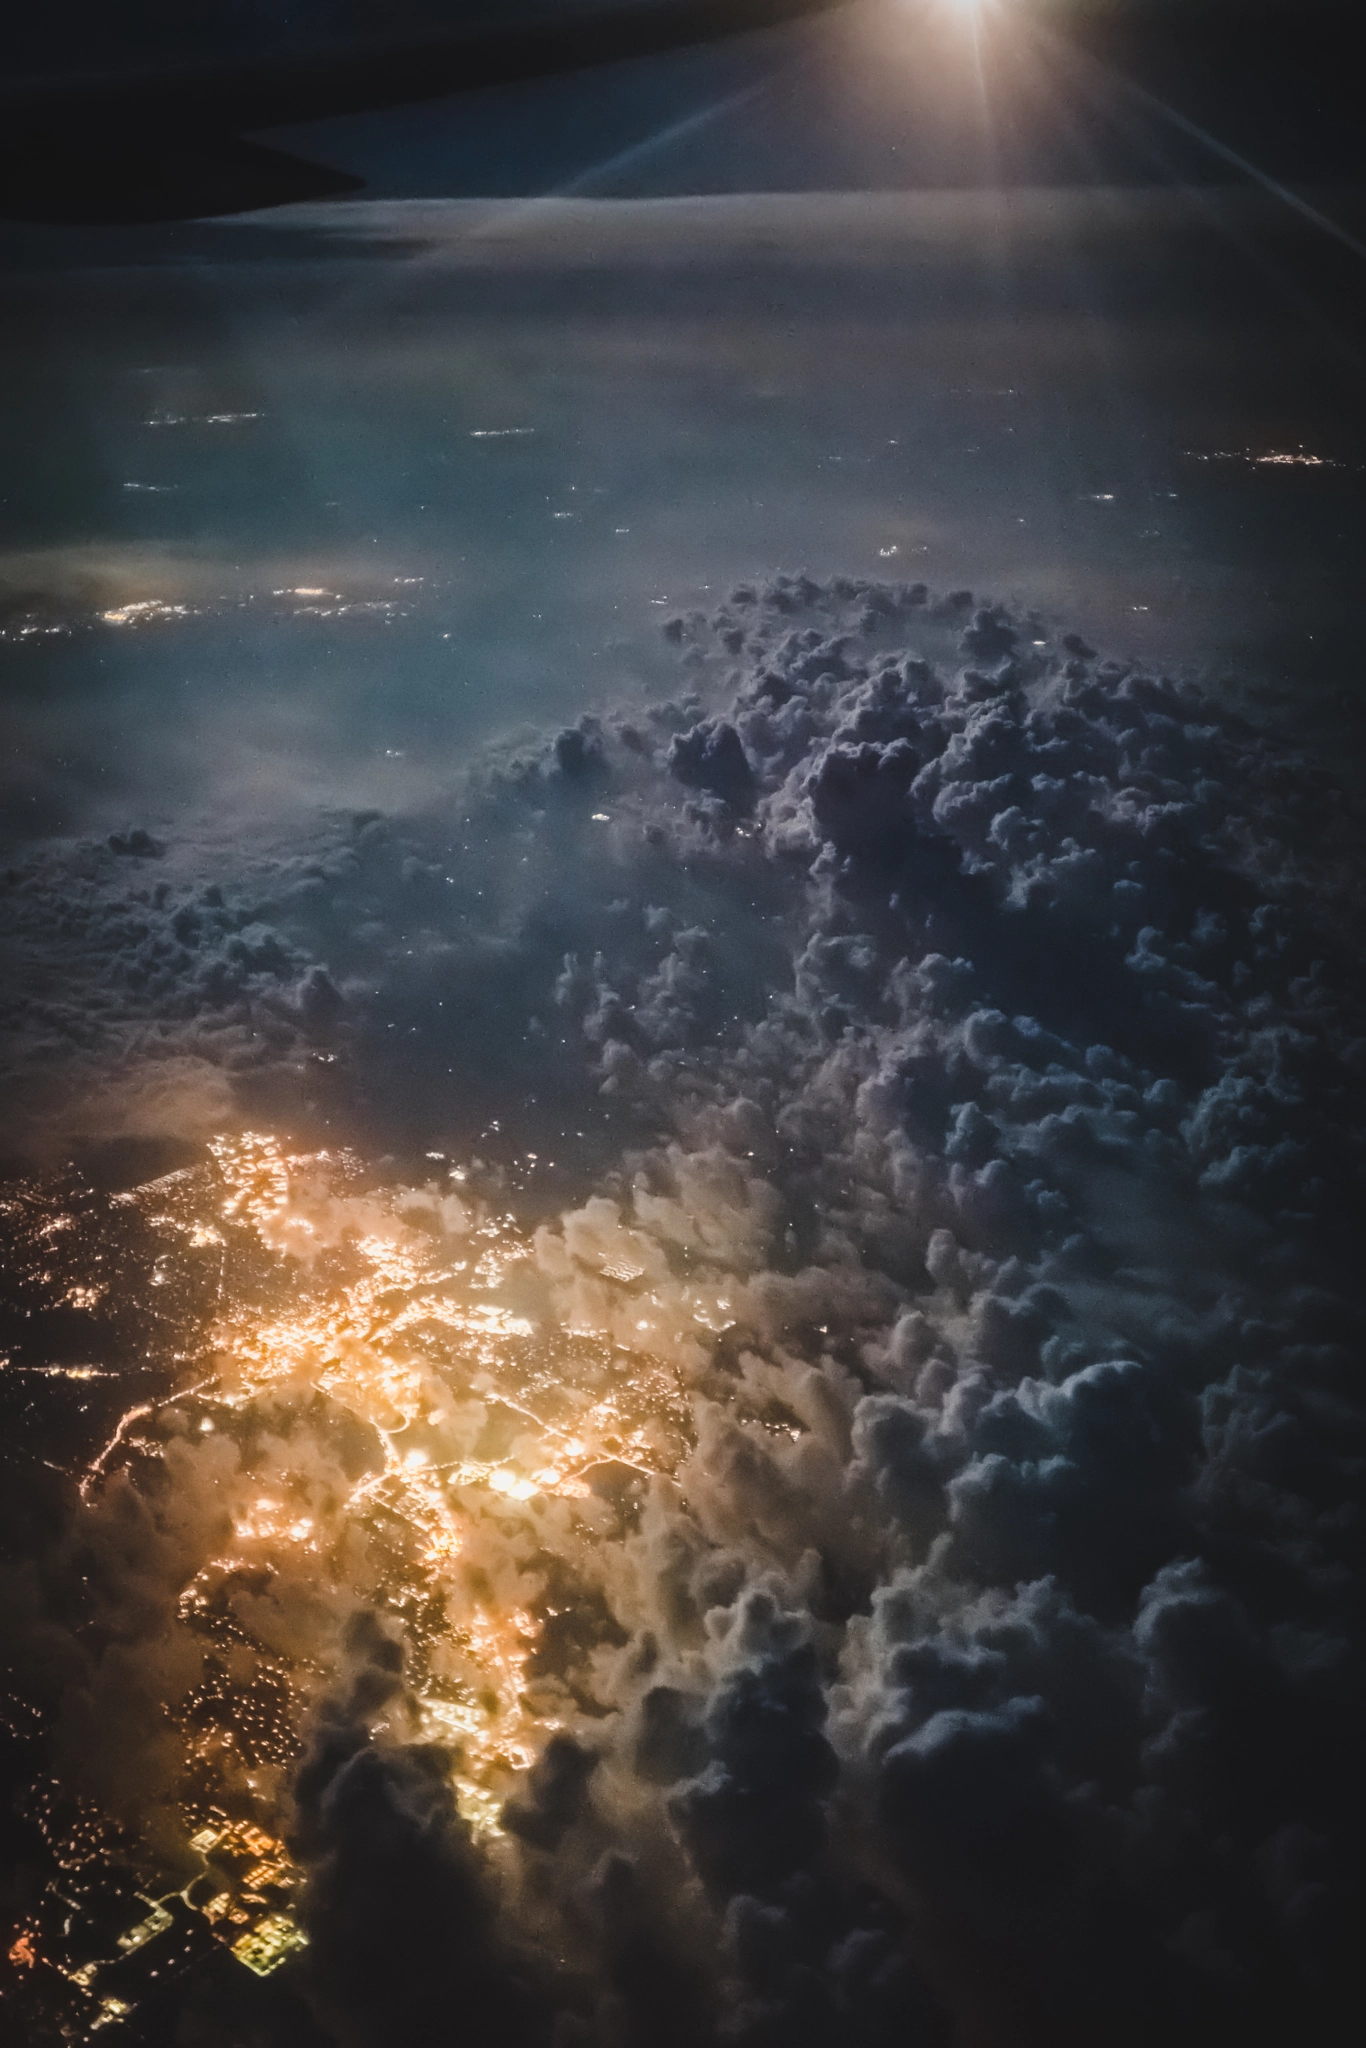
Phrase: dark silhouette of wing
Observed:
(170, 145)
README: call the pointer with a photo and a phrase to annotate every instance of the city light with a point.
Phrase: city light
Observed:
(298, 1300)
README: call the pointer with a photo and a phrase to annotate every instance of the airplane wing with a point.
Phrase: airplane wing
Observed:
(172, 145)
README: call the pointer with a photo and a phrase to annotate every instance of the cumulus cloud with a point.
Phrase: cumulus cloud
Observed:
(940, 1049)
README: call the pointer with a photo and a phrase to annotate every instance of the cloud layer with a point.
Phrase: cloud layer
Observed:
(940, 1049)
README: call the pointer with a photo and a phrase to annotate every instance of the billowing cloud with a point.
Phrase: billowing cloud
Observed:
(934, 1052)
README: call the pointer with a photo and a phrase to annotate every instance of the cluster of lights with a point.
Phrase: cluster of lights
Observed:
(200, 419)
(144, 611)
(300, 601)
(239, 1898)
(1267, 458)
(289, 1287)
(394, 1318)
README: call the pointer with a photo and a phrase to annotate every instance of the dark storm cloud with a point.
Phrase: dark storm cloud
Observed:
(978, 1024)
(400, 1911)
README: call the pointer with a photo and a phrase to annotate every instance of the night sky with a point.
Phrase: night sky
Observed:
(681, 1029)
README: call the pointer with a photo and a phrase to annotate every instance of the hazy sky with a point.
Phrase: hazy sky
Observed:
(498, 441)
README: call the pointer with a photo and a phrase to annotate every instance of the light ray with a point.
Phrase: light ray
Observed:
(1194, 132)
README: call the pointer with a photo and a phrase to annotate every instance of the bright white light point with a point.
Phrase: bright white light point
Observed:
(416, 1458)
(602, 817)
(511, 1486)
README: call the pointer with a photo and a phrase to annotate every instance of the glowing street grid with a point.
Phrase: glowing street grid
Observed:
(388, 1316)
